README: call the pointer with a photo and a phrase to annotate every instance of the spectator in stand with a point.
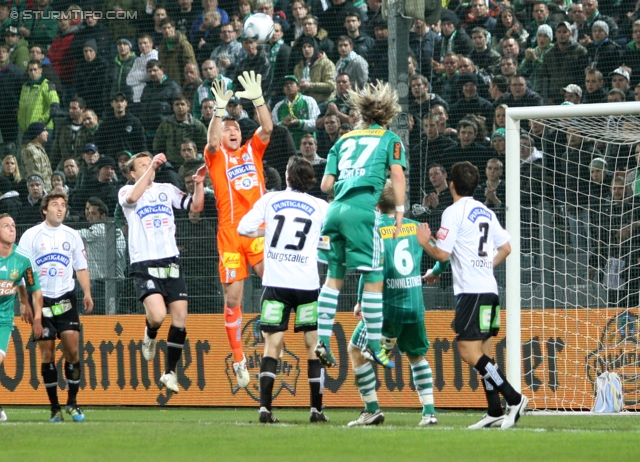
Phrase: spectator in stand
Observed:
(207, 5)
(184, 17)
(573, 94)
(248, 126)
(191, 80)
(466, 66)
(18, 47)
(329, 135)
(71, 171)
(631, 53)
(39, 100)
(297, 11)
(253, 60)
(89, 129)
(508, 67)
(118, 71)
(468, 148)
(34, 156)
(454, 38)
(30, 214)
(595, 93)
(59, 53)
(592, 13)
(511, 48)
(540, 17)
(59, 180)
(137, 77)
(480, 17)
(42, 25)
(5, 16)
(485, 58)
(446, 86)
(123, 173)
(90, 77)
(93, 30)
(315, 72)
(279, 54)
(498, 87)
(308, 151)
(615, 95)
(266, 7)
(578, 17)
(192, 160)
(120, 28)
(337, 105)
(470, 103)
(636, 92)
(533, 57)
(519, 95)
(103, 186)
(280, 149)
(421, 101)
(88, 172)
(362, 42)
(311, 30)
(620, 79)
(207, 109)
(603, 54)
(229, 53)
(500, 117)
(209, 74)
(563, 64)
(176, 128)
(11, 171)
(175, 51)
(207, 36)
(378, 55)
(351, 63)
(65, 146)
(159, 15)
(422, 42)
(156, 102)
(296, 112)
(11, 80)
(509, 27)
(498, 143)
(120, 131)
(332, 19)
(438, 197)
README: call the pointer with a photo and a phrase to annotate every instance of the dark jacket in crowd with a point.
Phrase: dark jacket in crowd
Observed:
(123, 134)
(157, 103)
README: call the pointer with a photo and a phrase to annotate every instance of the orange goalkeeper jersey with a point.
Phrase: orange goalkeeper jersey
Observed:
(238, 180)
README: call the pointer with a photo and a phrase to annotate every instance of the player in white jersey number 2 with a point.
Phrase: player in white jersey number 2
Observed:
(56, 251)
(293, 221)
(155, 266)
(469, 232)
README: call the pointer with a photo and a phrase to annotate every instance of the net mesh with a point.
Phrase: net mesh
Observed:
(579, 258)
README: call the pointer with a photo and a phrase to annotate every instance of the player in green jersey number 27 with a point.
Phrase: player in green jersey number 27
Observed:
(15, 267)
(356, 173)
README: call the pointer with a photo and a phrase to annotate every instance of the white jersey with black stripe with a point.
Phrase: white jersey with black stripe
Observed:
(293, 221)
(55, 253)
(151, 221)
(471, 232)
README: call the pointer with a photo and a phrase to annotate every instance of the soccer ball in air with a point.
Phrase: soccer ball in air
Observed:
(258, 27)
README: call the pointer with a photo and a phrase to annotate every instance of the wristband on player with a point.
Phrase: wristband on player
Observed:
(258, 101)
(400, 208)
(220, 112)
(437, 269)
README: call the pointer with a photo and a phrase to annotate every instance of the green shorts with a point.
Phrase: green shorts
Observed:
(352, 241)
(5, 335)
(411, 338)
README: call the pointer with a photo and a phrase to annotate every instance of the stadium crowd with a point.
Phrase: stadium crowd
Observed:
(82, 93)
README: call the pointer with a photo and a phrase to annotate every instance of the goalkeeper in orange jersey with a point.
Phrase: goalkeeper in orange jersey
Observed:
(237, 177)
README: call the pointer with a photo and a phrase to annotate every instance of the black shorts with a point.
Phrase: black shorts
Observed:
(277, 304)
(164, 277)
(477, 316)
(69, 320)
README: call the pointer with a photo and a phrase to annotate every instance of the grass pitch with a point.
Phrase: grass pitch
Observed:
(186, 435)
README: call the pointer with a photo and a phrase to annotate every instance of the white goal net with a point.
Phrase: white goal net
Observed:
(574, 276)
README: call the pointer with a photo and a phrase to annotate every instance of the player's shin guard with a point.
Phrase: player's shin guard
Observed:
(72, 373)
(267, 377)
(152, 332)
(423, 380)
(316, 382)
(327, 307)
(233, 326)
(175, 345)
(50, 379)
(366, 383)
(372, 316)
(490, 372)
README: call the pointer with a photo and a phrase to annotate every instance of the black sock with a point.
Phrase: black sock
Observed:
(175, 345)
(152, 332)
(490, 372)
(267, 377)
(494, 408)
(316, 382)
(72, 374)
(50, 379)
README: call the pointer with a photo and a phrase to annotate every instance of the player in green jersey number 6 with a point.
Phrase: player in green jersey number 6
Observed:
(356, 172)
(15, 267)
(403, 317)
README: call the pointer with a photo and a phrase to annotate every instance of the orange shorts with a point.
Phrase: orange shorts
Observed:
(236, 253)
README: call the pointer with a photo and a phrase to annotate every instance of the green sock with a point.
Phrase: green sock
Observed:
(366, 383)
(423, 380)
(327, 307)
(372, 317)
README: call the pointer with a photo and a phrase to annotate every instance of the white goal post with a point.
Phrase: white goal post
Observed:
(616, 126)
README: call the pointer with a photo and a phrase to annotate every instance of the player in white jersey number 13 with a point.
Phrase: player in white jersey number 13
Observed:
(293, 220)
(56, 251)
(469, 232)
(155, 267)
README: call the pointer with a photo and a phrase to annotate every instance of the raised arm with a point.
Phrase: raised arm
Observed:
(222, 96)
(197, 201)
(253, 90)
(145, 180)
